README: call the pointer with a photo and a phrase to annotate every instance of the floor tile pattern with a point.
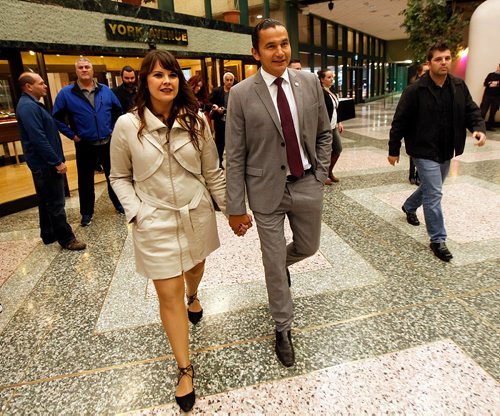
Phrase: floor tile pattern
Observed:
(381, 326)
(437, 378)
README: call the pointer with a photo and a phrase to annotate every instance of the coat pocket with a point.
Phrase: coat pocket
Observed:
(254, 171)
(143, 217)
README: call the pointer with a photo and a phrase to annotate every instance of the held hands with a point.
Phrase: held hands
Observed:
(480, 137)
(76, 139)
(393, 160)
(240, 224)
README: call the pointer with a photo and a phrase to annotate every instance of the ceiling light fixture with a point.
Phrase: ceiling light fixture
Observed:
(330, 5)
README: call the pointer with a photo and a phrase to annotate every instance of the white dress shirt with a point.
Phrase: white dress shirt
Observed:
(273, 90)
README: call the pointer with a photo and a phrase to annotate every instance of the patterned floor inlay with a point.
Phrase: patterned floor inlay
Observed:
(470, 209)
(236, 265)
(433, 379)
(366, 161)
(13, 254)
(380, 326)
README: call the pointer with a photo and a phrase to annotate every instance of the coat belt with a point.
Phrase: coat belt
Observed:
(183, 212)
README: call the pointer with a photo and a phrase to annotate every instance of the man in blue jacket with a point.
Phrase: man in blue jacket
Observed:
(86, 112)
(432, 116)
(44, 155)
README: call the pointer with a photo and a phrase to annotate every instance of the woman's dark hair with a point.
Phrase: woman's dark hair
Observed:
(185, 105)
(202, 94)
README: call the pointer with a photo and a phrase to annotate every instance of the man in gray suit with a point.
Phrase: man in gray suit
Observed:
(278, 145)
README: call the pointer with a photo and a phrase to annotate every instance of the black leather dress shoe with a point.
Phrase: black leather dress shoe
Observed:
(284, 348)
(288, 277)
(441, 251)
(411, 217)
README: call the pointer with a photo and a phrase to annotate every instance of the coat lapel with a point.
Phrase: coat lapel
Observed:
(151, 130)
(296, 85)
(263, 93)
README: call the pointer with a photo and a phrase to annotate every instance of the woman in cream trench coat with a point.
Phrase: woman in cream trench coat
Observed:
(165, 170)
(165, 189)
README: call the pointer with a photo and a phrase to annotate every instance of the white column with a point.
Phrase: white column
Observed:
(484, 47)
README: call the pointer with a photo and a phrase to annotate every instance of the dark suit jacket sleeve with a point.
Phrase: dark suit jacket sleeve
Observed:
(328, 103)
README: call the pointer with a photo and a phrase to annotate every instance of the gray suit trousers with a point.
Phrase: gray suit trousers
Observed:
(302, 203)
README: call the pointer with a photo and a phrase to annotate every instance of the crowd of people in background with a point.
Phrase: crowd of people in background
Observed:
(271, 152)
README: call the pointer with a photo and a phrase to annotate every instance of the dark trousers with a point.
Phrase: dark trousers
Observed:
(49, 186)
(220, 138)
(86, 159)
(492, 103)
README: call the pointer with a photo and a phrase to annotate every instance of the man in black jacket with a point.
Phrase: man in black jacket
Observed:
(491, 97)
(127, 91)
(432, 116)
(219, 98)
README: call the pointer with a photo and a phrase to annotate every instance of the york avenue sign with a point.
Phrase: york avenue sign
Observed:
(138, 32)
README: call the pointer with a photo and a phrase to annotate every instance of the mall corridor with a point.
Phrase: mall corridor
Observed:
(381, 325)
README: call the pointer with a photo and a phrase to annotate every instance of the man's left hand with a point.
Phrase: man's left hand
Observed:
(480, 137)
(61, 168)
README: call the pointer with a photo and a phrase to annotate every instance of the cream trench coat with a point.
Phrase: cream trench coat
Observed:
(165, 186)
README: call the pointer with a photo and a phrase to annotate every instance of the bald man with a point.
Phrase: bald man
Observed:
(44, 156)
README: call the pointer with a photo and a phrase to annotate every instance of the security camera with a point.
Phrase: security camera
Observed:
(330, 5)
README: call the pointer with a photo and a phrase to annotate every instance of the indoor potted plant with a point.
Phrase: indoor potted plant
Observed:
(232, 14)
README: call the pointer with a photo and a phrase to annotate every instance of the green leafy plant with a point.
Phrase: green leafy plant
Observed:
(430, 21)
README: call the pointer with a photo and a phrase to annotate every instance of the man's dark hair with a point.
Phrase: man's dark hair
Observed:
(263, 25)
(294, 61)
(126, 68)
(438, 46)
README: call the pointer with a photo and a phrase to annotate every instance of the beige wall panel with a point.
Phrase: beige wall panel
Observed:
(32, 22)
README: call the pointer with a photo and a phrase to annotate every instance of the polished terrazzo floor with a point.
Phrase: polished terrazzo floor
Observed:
(381, 325)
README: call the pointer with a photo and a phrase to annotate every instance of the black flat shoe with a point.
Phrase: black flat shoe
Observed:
(186, 402)
(194, 317)
(441, 251)
(411, 217)
(284, 348)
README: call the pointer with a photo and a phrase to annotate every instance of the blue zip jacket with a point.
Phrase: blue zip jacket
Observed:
(39, 136)
(75, 115)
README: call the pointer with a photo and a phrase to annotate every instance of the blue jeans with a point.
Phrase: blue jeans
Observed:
(49, 186)
(429, 194)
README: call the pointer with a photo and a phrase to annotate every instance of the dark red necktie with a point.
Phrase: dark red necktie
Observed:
(292, 145)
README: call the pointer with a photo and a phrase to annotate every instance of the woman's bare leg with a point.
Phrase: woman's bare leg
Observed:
(193, 279)
(174, 318)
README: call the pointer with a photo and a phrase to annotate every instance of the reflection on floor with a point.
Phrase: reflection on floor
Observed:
(381, 325)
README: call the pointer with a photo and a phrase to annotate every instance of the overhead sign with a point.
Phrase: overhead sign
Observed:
(138, 32)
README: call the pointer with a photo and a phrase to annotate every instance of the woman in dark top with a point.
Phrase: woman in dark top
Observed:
(326, 78)
(200, 92)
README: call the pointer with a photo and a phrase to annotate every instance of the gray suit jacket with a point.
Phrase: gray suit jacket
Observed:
(255, 146)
